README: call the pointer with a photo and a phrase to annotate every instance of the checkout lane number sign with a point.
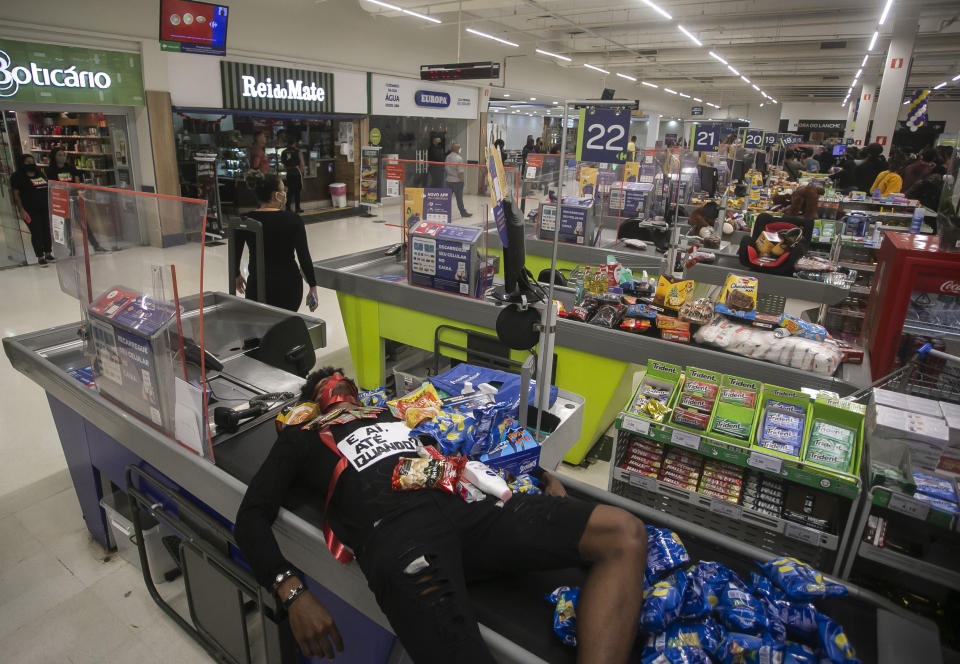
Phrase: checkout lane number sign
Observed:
(603, 135)
(706, 137)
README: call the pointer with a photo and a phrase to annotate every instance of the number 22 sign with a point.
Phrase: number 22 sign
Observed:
(603, 135)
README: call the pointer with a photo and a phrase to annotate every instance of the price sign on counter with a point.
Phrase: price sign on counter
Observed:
(766, 462)
(685, 439)
(915, 508)
(636, 425)
(643, 482)
(603, 135)
(706, 137)
(801, 533)
(726, 509)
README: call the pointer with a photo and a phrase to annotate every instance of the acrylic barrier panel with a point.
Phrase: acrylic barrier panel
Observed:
(132, 260)
(948, 210)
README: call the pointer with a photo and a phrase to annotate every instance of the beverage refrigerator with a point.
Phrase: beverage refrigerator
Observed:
(915, 299)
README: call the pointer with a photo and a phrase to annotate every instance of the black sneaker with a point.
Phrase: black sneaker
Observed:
(50, 258)
(41, 260)
(466, 214)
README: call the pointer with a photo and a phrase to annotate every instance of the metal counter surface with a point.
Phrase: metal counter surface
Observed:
(576, 254)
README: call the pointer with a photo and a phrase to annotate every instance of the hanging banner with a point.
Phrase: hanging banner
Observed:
(603, 135)
(588, 181)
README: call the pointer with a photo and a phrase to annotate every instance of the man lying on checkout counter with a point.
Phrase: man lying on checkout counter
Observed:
(419, 548)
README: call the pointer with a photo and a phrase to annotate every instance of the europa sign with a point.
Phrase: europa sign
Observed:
(431, 99)
(44, 72)
(264, 88)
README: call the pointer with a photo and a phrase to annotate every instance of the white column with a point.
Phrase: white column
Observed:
(851, 115)
(896, 66)
(868, 93)
(653, 131)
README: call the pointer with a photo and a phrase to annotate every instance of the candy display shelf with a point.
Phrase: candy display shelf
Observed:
(910, 565)
(788, 287)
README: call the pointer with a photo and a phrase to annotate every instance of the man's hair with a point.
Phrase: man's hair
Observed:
(455, 147)
(306, 392)
(930, 155)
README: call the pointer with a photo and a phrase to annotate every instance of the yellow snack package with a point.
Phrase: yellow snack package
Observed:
(740, 293)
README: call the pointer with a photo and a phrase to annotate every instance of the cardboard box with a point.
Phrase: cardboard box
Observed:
(517, 453)
(447, 257)
(907, 402)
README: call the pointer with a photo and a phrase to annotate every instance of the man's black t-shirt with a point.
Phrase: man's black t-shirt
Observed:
(290, 158)
(33, 190)
(65, 173)
(301, 465)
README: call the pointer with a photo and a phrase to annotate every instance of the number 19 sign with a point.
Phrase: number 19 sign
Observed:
(603, 135)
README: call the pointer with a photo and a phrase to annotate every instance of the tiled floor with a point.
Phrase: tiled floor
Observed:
(62, 598)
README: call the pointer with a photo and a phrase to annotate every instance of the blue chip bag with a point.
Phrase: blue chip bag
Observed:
(797, 653)
(376, 398)
(662, 602)
(739, 610)
(715, 577)
(488, 431)
(706, 634)
(695, 602)
(681, 655)
(525, 483)
(775, 627)
(833, 641)
(799, 581)
(748, 649)
(452, 430)
(665, 552)
(936, 487)
(565, 613)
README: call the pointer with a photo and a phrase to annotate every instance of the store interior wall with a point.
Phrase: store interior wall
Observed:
(514, 128)
(809, 110)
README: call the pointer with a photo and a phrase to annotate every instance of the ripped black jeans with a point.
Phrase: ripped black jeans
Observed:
(417, 564)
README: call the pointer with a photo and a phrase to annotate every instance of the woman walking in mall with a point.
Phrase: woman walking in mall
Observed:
(283, 236)
(30, 195)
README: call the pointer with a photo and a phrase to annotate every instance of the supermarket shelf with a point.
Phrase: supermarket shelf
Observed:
(789, 287)
(848, 313)
(100, 154)
(847, 486)
(912, 566)
(932, 330)
(71, 137)
(862, 267)
(882, 496)
(730, 511)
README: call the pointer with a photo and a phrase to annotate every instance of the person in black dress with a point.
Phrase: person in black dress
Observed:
(283, 236)
(292, 160)
(30, 195)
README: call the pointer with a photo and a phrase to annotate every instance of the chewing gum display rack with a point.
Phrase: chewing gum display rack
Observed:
(883, 496)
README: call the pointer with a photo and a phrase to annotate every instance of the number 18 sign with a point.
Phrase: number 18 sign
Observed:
(603, 135)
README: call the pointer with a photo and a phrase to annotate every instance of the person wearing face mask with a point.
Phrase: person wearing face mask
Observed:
(283, 236)
(30, 196)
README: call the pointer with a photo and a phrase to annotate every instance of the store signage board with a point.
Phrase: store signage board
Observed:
(65, 74)
(753, 138)
(193, 27)
(706, 137)
(603, 135)
(770, 139)
(252, 87)
(696, 110)
(390, 95)
(790, 139)
(832, 125)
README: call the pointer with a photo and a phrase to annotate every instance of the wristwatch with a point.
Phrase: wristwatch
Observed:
(279, 579)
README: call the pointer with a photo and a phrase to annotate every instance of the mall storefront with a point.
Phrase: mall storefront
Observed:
(83, 101)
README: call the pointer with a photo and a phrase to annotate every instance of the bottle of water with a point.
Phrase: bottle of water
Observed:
(917, 222)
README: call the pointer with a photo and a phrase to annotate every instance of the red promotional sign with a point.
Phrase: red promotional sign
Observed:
(535, 160)
(394, 171)
(896, 63)
(60, 201)
(882, 140)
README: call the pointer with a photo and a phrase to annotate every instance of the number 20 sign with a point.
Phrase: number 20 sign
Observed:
(603, 135)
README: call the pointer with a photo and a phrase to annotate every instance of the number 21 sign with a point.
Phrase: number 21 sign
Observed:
(603, 135)
(706, 137)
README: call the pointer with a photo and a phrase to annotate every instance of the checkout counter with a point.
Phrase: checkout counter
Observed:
(102, 441)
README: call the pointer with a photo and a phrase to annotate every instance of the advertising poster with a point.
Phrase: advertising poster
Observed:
(437, 205)
(413, 206)
(394, 177)
(631, 171)
(494, 180)
(588, 181)
(370, 175)
(534, 164)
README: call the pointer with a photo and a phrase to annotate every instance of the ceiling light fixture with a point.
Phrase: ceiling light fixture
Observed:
(956, 78)
(589, 66)
(745, 79)
(629, 78)
(683, 95)
(864, 63)
(553, 55)
(773, 101)
(496, 39)
(658, 9)
(886, 10)
(690, 35)
(533, 99)
(873, 41)
(755, 87)
(941, 85)
(698, 99)
(649, 85)
(423, 16)
(717, 57)
(906, 102)
(556, 102)
(857, 75)
(735, 72)
(673, 92)
(761, 104)
(506, 94)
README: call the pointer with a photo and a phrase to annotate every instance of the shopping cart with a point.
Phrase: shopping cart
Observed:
(929, 373)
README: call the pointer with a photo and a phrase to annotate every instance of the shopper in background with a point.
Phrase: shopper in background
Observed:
(59, 169)
(436, 155)
(825, 158)
(292, 160)
(538, 147)
(500, 145)
(928, 190)
(30, 195)
(632, 149)
(874, 163)
(283, 236)
(527, 149)
(258, 154)
(890, 180)
(845, 177)
(456, 177)
(792, 165)
(919, 169)
(811, 165)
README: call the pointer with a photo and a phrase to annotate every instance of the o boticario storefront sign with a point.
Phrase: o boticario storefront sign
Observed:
(33, 72)
(253, 87)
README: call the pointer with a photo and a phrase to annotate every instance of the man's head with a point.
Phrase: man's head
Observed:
(455, 147)
(328, 387)
(930, 155)
(436, 140)
(633, 139)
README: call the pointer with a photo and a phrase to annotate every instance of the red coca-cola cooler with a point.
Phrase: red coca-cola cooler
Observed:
(915, 299)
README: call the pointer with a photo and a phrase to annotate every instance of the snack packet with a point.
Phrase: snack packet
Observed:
(377, 397)
(698, 312)
(797, 653)
(748, 649)
(706, 635)
(452, 430)
(740, 293)
(799, 581)
(565, 613)
(424, 397)
(681, 655)
(833, 641)
(695, 603)
(299, 414)
(662, 602)
(413, 474)
(739, 611)
(665, 552)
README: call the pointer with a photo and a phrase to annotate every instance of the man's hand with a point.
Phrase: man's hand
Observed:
(552, 486)
(24, 215)
(241, 284)
(312, 625)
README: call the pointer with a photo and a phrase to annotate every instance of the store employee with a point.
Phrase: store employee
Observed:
(417, 549)
(59, 169)
(30, 195)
